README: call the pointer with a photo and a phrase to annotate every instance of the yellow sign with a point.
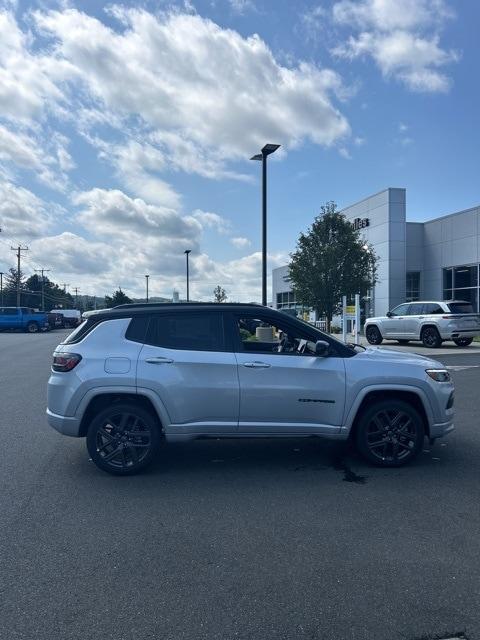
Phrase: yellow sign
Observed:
(350, 310)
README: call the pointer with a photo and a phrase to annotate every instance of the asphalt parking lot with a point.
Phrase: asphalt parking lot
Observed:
(236, 539)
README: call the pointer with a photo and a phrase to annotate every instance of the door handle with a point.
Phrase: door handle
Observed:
(420, 317)
(159, 360)
(256, 365)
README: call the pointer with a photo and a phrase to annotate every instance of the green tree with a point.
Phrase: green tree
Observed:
(54, 296)
(331, 260)
(219, 294)
(117, 298)
(10, 288)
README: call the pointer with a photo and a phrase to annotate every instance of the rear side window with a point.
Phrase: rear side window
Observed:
(137, 329)
(431, 308)
(460, 307)
(193, 332)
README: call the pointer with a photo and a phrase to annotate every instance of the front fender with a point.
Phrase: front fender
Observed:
(366, 390)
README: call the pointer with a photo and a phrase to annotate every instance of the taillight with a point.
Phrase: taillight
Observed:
(65, 361)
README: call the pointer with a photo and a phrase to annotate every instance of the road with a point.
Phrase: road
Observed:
(236, 539)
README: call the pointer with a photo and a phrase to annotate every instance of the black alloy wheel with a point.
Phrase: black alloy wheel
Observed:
(123, 439)
(373, 335)
(463, 342)
(390, 433)
(431, 338)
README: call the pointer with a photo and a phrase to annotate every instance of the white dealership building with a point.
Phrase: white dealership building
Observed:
(433, 260)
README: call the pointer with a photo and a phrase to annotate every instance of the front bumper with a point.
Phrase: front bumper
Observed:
(440, 429)
(67, 425)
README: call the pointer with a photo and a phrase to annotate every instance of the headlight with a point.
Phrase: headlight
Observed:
(439, 375)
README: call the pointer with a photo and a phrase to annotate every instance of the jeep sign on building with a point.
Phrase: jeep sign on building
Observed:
(438, 259)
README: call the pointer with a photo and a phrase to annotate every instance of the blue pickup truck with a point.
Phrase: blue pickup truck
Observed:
(24, 319)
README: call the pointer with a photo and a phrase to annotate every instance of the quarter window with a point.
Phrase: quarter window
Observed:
(193, 332)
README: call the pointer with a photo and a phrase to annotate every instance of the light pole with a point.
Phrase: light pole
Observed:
(187, 253)
(266, 151)
(146, 281)
(1, 287)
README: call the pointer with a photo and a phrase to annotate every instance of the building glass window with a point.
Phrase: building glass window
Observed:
(413, 286)
(287, 300)
(461, 283)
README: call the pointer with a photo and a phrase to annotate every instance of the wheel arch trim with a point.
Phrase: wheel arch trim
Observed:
(371, 389)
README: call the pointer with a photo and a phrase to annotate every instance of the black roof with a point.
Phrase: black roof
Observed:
(137, 308)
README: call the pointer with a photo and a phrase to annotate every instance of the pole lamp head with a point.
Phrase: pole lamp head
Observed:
(187, 251)
(267, 150)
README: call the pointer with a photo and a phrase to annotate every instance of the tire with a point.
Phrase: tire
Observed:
(373, 335)
(403, 341)
(463, 342)
(431, 338)
(390, 433)
(32, 327)
(113, 443)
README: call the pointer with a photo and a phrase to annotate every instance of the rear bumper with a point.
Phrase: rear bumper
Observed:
(459, 333)
(67, 425)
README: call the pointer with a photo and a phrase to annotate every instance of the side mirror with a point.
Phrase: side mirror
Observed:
(389, 314)
(322, 348)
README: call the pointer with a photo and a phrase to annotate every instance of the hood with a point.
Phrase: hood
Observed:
(392, 355)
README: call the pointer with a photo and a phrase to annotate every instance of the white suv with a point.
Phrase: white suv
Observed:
(430, 322)
(132, 378)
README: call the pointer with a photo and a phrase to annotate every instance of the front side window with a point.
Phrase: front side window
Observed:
(401, 310)
(263, 335)
(415, 309)
(188, 331)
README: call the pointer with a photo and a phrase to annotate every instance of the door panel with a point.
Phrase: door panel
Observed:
(414, 320)
(395, 327)
(290, 393)
(196, 387)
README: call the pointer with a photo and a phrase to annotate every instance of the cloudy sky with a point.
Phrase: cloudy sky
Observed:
(126, 129)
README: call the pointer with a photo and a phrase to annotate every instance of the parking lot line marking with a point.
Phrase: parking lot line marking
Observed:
(462, 367)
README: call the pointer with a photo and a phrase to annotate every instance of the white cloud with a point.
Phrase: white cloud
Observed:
(242, 6)
(240, 243)
(345, 153)
(24, 151)
(22, 214)
(401, 36)
(402, 127)
(212, 221)
(29, 83)
(184, 75)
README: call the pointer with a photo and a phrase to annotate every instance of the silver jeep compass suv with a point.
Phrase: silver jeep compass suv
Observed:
(133, 378)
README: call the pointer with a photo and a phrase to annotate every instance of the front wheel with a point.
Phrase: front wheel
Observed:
(123, 439)
(431, 338)
(373, 335)
(463, 342)
(32, 327)
(390, 433)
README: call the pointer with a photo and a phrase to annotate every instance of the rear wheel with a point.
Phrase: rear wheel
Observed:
(431, 338)
(32, 327)
(463, 342)
(373, 335)
(390, 433)
(123, 439)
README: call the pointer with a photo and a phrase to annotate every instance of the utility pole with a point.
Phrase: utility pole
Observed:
(1, 287)
(19, 250)
(187, 253)
(76, 289)
(65, 285)
(42, 271)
